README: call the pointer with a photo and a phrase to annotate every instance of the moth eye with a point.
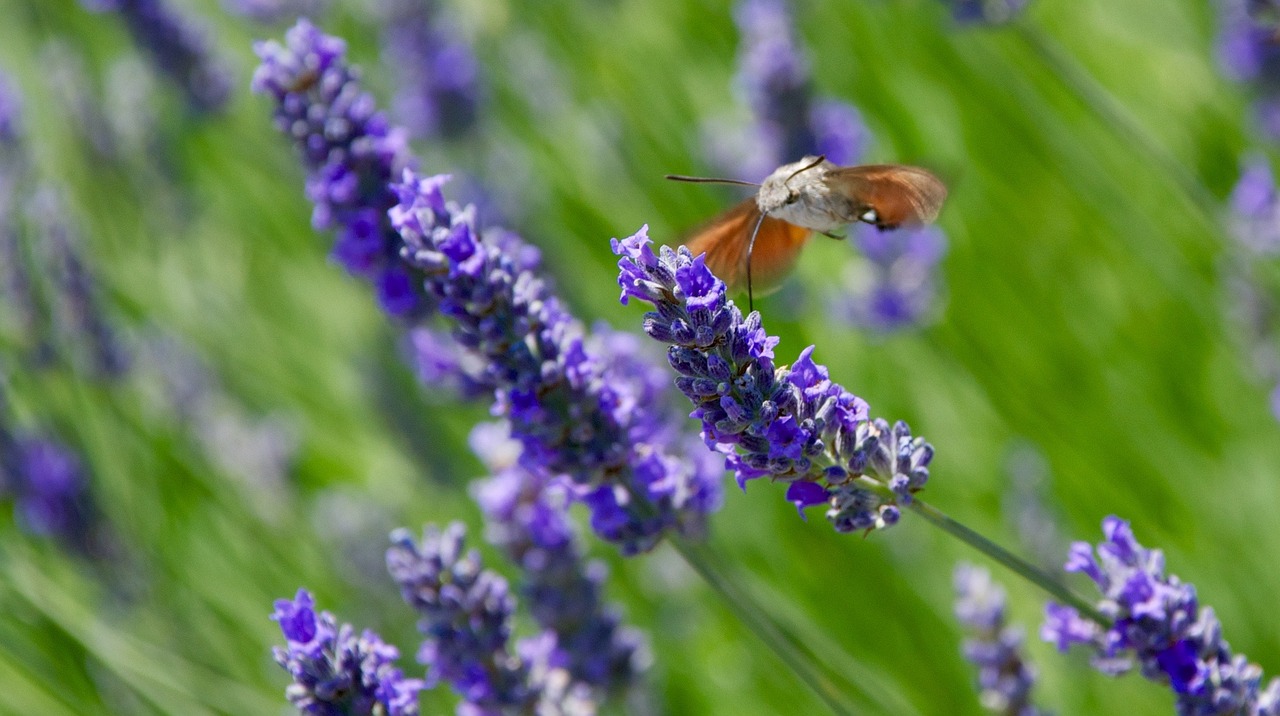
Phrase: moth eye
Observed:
(870, 216)
(793, 198)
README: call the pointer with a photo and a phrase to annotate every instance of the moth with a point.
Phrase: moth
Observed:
(756, 243)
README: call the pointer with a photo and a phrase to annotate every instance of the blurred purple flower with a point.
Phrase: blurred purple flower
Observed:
(790, 424)
(1255, 208)
(985, 11)
(1249, 52)
(1004, 677)
(178, 48)
(1158, 624)
(436, 72)
(526, 517)
(896, 286)
(774, 81)
(268, 11)
(50, 490)
(466, 614)
(335, 672)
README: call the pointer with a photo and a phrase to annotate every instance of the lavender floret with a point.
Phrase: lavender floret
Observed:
(1004, 676)
(335, 672)
(178, 48)
(1158, 626)
(789, 424)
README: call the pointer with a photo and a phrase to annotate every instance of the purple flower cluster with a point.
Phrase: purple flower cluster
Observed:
(351, 154)
(1157, 623)
(985, 11)
(526, 517)
(1004, 677)
(896, 286)
(178, 48)
(789, 424)
(335, 672)
(1255, 209)
(466, 616)
(790, 122)
(48, 486)
(435, 70)
(1249, 52)
(574, 415)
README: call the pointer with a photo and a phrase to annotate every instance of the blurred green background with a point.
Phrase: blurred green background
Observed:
(1087, 339)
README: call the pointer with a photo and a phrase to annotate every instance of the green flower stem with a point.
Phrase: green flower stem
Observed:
(1020, 566)
(755, 618)
(1117, 116)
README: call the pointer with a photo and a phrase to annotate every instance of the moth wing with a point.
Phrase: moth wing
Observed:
(899, 195)
(725, 239)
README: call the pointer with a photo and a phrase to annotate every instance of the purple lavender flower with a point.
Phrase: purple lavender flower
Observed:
(10, 112)
(351, 155)
(573, 414)
(526, 517)
(335, 672)
(76, 290)
(774, 80)
(790, 424)
(435, 69)
(1249, 52)
(574, 418)
(49, 489)
(896, 287)
(1004, 677)
(178, 48)
(466, 617)
(274, 10)
(1255, 208)
(985, 11)
(1157, 624)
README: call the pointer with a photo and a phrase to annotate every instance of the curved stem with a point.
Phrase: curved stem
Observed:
(1020, 566)
(757, 620)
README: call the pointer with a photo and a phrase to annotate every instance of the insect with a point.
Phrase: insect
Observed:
(756, 242)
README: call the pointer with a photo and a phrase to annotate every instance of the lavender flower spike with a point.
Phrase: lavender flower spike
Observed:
(985, 11)
(574, 414)
(526, 517)
(790, 424)
(995, 648)
(351, 155)
(466, 617)
(1158, 624)
(335, 672)
(178, 48)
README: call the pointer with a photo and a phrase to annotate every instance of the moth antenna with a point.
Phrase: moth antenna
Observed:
(822, 158)
(751, 245)
(709, 180)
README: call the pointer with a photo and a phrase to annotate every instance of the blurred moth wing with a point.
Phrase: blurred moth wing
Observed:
(725, 240)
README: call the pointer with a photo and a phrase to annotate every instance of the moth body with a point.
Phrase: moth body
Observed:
(798, 193)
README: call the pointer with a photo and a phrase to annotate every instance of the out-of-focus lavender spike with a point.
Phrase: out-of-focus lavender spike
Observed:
(1249, 53)
(987, 12)
(1255, 208)
(789, 121)
(790, 424)
(437, 74)
(179, 48)
(271, 11)
(466, 617)
(351, 155)
(895, 287)
(50, 490)
(526, 517)
(335, 671)
(1005, 679)
(1158, 625)
(76, 291)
